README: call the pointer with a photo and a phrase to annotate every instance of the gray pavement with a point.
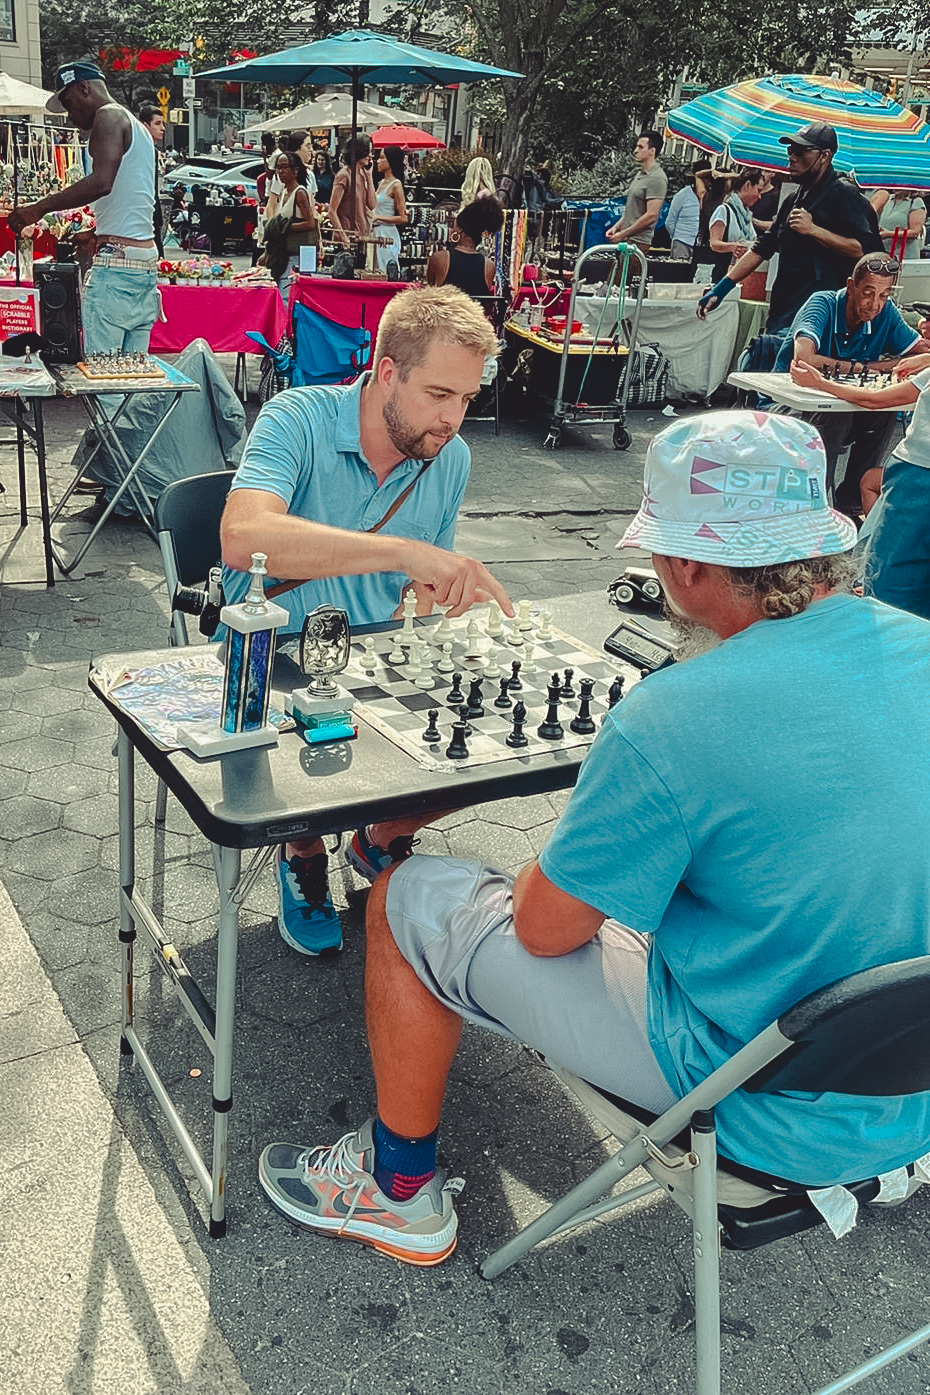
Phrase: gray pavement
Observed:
(110, 1281)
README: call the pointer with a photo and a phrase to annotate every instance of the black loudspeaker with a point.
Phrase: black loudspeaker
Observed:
(59, 310)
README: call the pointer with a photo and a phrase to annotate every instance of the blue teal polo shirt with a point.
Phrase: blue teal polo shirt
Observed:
(305, 447)
(823, 319)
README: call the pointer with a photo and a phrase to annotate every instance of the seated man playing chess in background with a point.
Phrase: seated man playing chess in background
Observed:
(353, 494)
(852, 332)
(717, 860)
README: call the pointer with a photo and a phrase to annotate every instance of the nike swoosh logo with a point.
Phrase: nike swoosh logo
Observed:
(343, 1204)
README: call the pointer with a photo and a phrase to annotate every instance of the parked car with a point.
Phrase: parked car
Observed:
(215, 171)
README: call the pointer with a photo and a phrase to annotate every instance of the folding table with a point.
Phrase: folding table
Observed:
(257, 798)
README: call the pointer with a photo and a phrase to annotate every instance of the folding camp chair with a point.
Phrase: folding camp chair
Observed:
(864, 1035)
(495, 307)
(325, 352)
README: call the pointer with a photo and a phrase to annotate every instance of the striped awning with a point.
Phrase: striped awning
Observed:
(883, 144)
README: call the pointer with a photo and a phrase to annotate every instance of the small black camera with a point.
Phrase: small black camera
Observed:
(206, 603)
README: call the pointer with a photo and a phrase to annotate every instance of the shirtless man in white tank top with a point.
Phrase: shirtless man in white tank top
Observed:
(119, 300)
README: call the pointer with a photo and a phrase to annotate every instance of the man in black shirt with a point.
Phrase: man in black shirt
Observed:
(819, 233)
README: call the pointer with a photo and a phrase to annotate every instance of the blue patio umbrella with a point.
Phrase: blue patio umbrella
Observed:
(356, 58)
(883, 144)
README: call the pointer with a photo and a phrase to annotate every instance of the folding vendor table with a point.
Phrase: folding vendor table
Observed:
(71, 382)
(23, 384)
(256, 798)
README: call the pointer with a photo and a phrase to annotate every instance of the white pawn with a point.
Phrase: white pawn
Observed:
(528, 649)
(369, 657)
(493, 669)
(445, 664)
(445, 632)
(397, 655)
(515, 637)
(544, 629)
(494, 629)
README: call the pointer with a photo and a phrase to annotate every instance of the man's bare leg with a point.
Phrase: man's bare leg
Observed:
(412, 1037)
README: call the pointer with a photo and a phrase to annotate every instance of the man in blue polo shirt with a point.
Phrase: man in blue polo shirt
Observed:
(853, 330)
(352, 493)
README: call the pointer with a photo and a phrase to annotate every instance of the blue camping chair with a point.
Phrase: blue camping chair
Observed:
(325, 352)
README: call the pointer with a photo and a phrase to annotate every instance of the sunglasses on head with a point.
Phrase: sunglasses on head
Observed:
(882, 266)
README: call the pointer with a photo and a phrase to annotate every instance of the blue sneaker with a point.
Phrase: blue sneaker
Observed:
(307, 918)
(370, 860)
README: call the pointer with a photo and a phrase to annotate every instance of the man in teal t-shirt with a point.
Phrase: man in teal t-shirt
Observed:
(749, 826)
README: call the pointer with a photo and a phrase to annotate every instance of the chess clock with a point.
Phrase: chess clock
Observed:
(647, 652)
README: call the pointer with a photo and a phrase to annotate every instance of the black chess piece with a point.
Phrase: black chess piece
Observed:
(583, 724)
(864, 377)
(513, 682)
(432, 731)
(504, 699)
(516, 736)
(456, 696)
(614, 692)
(457, 750)
(567, 691)
(474, 707)
(551, 729)
(462, 710)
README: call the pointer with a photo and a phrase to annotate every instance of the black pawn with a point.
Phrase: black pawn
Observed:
(614, 692)
(457, 750)
(432, 731)
(456, 696)
(551, 729)
(513, 682)
(474, 707)
(583, 725)
(567, 691)
(462, 710)
(516, 736)
(504, 699)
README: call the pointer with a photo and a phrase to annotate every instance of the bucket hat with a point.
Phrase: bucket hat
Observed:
(738, 489)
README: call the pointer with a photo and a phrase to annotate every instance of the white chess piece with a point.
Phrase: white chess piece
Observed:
(410, 607)
(524, 619)
(397, 655)
(424, 676)
(544, 629)
(528, 649)
(445, 664)
(493, 668)
(369, 657)
(445, 632)
(494, 629)
(515, 637)
(472, 635)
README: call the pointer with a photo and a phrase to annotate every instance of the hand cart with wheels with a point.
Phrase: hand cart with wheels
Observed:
(592, 370)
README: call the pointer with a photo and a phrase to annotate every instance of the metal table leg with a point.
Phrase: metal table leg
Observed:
(227, 864)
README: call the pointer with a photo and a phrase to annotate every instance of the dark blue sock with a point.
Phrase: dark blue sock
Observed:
(403, 1165)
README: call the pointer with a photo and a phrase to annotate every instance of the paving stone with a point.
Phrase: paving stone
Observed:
(11, 782)
(47, 699)
(76, 783)
(26, 816)
(59, 855)
(35, 752)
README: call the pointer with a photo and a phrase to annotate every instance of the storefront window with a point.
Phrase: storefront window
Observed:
(7, 27)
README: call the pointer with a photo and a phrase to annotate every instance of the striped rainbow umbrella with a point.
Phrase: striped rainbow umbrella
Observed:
(883, 144)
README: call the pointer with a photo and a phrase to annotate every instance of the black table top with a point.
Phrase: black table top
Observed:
(248, 799)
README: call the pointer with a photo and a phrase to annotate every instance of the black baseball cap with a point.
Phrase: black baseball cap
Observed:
(818, 136)
(80, 71)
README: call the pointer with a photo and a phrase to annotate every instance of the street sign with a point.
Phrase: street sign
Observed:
(182, 68)
(188, 87)
(163, 95)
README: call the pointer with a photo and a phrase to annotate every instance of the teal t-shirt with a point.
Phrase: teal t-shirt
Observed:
(764, 812)
(305, 448)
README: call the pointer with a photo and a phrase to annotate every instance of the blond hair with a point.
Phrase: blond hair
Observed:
(415, 318)
(479, 179)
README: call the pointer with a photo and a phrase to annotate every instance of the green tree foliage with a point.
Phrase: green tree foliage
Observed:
(595, 72)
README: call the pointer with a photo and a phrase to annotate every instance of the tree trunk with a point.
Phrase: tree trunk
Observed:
(521, 102)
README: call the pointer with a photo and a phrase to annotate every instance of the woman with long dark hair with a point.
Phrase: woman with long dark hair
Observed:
(463, 263)
(294, 224)
(390, 213)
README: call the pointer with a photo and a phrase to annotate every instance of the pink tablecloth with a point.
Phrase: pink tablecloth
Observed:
(355, 303)
(221, 315)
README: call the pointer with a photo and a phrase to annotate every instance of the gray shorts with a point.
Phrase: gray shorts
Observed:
(451, 920)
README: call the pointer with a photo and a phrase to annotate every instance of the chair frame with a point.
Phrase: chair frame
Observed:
(817, 1045)
(496, 308)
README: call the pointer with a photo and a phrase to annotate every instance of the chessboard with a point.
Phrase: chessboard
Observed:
(100, 367)
(397, 697)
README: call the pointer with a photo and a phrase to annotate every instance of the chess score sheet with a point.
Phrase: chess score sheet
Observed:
(399, 677)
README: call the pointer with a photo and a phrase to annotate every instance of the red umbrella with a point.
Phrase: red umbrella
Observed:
(408, 137)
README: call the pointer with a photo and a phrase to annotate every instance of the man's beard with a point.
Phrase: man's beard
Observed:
(403, 435)
(691, 639)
